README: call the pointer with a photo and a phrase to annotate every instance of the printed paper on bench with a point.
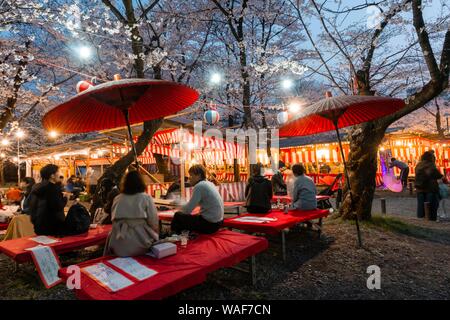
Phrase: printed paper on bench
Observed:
(47, 264)
(133, 268)
(107, 277)
(44, 240)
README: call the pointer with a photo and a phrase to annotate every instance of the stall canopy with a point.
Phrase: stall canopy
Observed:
(207, 150)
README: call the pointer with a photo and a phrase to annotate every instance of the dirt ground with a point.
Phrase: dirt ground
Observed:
(413, 256)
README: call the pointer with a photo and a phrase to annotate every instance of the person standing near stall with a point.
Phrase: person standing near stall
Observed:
(426, 183)
(404, 170)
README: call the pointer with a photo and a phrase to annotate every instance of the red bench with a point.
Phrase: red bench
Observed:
(189, 267)
(281, 222)
(16, 248)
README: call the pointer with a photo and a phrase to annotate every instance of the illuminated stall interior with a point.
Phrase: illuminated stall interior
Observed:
(320, 153)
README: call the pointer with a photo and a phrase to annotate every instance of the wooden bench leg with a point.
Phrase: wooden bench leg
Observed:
(283, 244)
(320, 227)
(253, 269)
(16, 267)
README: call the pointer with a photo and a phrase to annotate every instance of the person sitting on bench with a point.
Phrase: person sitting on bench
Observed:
(304, 194)
(208, 198)
(135, 224)
(47, 203)
(258, 192)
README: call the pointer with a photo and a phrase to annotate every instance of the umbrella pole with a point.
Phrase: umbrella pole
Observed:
(347, 180)
(130, 134)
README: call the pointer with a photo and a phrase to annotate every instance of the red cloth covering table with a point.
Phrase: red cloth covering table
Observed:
(189, 267)
(289, 199)
(168, 214)
(16, 248)
(283, 221)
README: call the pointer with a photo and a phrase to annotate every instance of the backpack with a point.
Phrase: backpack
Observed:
(101, 217)
(78, 220)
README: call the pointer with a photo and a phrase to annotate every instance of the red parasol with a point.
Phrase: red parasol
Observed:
(119, 103)
(333, 113)
(347, 110)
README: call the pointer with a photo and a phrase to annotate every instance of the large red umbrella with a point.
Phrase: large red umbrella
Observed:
(333, 113)
(119, 103)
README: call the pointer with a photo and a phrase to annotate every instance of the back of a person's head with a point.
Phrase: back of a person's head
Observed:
(393, 159)
(298, 169)
(132, 183)
(29, 181)
(198, 170)
(48, 170)
(257, 168)
(107, 184)
(427, 156)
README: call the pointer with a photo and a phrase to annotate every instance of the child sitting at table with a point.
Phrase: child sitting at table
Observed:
(208, 198)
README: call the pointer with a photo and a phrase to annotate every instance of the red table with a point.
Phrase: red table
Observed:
(283, 221)
(189, 267)
(16, 248)
(168, 214)
(288, 199)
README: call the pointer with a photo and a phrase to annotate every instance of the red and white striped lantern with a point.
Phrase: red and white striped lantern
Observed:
(211, 117)
(83, 85)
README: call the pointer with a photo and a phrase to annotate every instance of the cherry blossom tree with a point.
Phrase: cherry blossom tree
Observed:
(379, 55)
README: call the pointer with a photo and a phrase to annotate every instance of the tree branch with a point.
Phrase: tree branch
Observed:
(424, 40)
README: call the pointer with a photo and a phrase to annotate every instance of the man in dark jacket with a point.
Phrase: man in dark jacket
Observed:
(47, 203)
(258, 192)
(426, 185)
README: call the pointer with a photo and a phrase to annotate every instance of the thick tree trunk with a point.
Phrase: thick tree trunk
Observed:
(116, 171)
(163, 168)
(362, 168)
(246, 92)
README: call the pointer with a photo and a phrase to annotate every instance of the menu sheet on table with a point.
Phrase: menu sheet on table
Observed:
(255, 219)
(107, 277)
(44, 240)
(133, 268)
(47, 264)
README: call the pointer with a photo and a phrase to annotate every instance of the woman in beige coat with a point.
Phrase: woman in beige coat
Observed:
(134, 219)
